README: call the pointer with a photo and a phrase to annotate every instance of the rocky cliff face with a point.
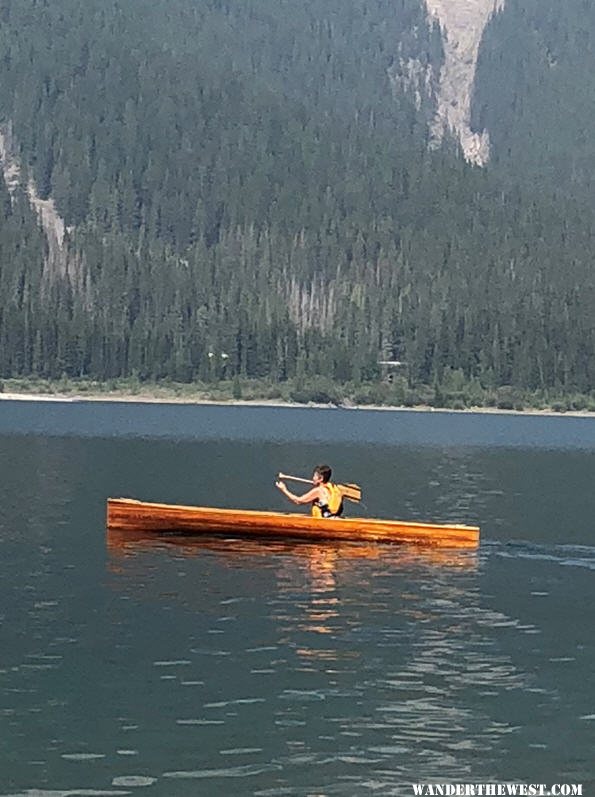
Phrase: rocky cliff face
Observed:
(462, 23)
(56, 261)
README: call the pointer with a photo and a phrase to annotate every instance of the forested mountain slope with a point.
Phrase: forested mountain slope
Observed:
(255, 178)
(534, 93)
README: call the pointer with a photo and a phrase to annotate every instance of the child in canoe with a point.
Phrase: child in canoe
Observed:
(325, 497)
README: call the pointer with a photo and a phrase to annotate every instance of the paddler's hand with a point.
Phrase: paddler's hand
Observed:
(281, 486)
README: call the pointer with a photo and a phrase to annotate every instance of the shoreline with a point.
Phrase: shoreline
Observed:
(149, 398)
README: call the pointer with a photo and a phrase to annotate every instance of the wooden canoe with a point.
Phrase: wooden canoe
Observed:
(126, 514)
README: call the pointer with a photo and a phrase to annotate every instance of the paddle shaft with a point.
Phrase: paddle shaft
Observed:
(351, 491)
(294, 478)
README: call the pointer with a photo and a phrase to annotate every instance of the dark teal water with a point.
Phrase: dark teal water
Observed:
(245, 668)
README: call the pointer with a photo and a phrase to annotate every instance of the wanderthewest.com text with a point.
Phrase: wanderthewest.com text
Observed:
(497, 790)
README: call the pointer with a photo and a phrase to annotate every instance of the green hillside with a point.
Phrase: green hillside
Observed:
(254, 179)
(535, 95)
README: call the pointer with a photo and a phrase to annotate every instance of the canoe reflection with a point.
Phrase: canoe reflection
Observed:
(321, 557)
(318, 571)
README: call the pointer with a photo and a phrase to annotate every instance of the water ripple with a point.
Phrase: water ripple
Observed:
(133, 780)
(247, 771)
(67, 793)
(582, 556)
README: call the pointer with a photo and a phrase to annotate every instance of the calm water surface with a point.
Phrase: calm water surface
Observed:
(242, 668)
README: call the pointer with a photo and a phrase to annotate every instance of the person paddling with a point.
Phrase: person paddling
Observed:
(325, 497)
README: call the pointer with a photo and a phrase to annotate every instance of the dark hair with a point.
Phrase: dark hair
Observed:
(324, 471)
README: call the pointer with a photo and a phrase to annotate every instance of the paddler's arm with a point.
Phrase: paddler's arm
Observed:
(306, 498)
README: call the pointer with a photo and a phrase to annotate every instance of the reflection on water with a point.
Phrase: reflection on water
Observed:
(379, 662)
(322, 558)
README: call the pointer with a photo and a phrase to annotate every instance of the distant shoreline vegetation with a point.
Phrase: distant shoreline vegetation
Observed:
(463, 395)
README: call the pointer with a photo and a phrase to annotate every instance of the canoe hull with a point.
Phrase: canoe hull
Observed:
(125, 514)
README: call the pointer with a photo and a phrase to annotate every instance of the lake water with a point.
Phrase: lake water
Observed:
(246, 668)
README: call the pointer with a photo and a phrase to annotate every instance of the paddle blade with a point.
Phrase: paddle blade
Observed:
(352, 492)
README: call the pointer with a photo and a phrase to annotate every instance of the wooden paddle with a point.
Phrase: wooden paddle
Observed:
(353, 492)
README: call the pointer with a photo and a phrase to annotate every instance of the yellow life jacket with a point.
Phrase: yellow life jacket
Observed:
(334, 505)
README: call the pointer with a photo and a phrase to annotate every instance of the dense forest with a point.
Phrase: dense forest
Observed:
(251, 189)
